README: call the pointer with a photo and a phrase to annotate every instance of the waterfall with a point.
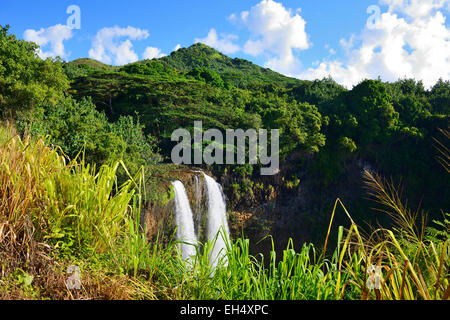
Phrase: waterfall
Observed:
(217, 225)
(197, 210)
(184, 221)
(217, 220)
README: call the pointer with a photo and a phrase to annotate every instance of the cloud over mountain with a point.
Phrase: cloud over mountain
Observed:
(114, 46)
(53, 36)
(275, 32)
(223, 43)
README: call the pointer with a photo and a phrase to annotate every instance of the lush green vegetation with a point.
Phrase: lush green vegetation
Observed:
(56, 213)
(25, 79)
(390, 126)
(85, 146)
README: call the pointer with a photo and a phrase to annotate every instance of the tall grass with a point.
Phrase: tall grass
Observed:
(78, 212)
(53, 210)
(412, 265)
(24, 166)
(71, 205)
(297, 276)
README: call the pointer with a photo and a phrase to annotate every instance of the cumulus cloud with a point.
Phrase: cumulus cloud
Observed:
(114, 46)
(223, 43)
(415, 8)
(410, 40)
(177, 47)
(152, 53)
(53, 36)
(275, 32)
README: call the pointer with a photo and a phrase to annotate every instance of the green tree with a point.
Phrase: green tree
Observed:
(76, 126)
(209, 76)
(440, 97)
(368, 108)
(26, 80)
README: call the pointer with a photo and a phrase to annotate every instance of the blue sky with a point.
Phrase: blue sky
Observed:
(300, 38)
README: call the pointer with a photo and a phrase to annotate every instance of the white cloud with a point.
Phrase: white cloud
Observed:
(224, 43)
(110, 47)
(411, 40)
(232, 17)
(415, 8)
(275, 33)
(177, 47)
(53, 36)
(330, 50)
(244, 15)
(152, 53)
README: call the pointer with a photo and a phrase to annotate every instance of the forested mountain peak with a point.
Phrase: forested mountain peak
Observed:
(92, 63)
(198, 56)
(238, 71)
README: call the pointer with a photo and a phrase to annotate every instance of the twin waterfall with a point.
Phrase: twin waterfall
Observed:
(217, 226)
(184, 221)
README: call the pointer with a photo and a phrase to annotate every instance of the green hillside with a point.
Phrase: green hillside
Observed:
(238, 72)
(92, 63)
(195, 83)
(391, 126)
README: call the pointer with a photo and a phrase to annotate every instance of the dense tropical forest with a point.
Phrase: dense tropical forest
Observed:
(85, 153)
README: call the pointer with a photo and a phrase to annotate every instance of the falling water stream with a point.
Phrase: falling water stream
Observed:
(184, 221)
(218, 231)
(217, 225)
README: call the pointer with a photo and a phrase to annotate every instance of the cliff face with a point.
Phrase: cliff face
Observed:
(271, 206)
(283, 210)
(158, 218)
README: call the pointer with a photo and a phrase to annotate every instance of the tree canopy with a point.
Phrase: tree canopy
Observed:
(25, 79)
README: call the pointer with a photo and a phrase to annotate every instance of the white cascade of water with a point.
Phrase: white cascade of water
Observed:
(197, 210)
(217, 221)
(184, 221)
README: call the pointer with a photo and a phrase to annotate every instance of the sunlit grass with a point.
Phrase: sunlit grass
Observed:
(62, 212)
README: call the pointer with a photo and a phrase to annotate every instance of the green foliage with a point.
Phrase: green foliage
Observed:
(370, 104)
(87, 211)
(91, 63)
(26, 80)
(167, 100)
(72, 206)
(317, 92)
(149, 68)
(388, 125)
(297, 276)
(236, 72)
(348, 144)
(140, 149)
(410, 100)
(73, 70)
(440, 229)
(209, 76)
(78, 126)
(440, 97)
(84, 215)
